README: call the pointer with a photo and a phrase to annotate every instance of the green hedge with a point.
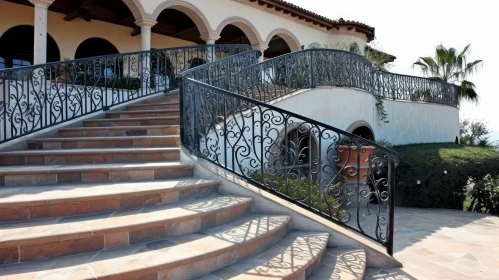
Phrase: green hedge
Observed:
(434, 175)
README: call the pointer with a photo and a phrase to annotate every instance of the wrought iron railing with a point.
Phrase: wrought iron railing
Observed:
(327, 67)
(40, 96)
(339, 176)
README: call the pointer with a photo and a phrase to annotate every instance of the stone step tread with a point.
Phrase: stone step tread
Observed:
(58, 229)
(292, 257)
(163, 257)
(155, 104)
(108, 138)
(144, 111)
(32, 196)
(88, 151)
(50, 169)
(136, 127)
(134, 119)
(342, 264)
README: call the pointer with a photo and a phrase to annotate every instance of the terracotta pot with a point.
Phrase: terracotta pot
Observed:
(349, 156)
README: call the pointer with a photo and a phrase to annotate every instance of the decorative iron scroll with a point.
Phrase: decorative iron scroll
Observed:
(40, 96)
(339, 176)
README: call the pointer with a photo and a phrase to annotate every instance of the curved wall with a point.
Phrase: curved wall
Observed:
(409, 122)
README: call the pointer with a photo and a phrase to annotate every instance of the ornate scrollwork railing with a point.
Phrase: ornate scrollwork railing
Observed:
(326, 67)
(40, 96)
(339, 176)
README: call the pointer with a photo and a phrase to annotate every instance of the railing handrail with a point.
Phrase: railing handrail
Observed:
(120, 55)
(358, 56)
(312, 121)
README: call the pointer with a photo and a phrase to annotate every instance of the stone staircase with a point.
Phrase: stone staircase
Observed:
(111, 200)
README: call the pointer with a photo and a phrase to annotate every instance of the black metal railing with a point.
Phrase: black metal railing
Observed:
(40, 96)
(327, 67)
(339, 176)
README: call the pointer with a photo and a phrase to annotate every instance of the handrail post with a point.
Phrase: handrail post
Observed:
(391, 206)
(312, 78)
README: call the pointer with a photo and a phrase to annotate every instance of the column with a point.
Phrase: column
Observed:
(210, 40)
(40, 23)
(145, 25)
(262, 48)
(148, 79)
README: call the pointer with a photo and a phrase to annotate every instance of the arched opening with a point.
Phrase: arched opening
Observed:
(17, 47)
(177, 24)
(295, 152)
(95, 47)
(277, 47)
(232, 34)
(364, 132)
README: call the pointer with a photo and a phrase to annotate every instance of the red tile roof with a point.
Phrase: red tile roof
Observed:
(316, 19)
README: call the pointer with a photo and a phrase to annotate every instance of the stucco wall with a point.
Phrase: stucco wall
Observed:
(69, 34)
(409, 122)
(259, 23)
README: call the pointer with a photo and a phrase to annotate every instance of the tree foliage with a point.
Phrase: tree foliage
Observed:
(474, 133)
(452, 66)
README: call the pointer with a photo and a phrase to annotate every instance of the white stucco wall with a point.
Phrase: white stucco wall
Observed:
(410, 122)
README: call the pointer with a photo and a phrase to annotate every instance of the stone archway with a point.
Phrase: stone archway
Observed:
(243, 25)
(279, 42)
(362, 129)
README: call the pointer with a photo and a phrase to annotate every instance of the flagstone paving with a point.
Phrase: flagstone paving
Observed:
(441, 244)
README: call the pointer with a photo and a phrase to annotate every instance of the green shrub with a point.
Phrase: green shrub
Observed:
(485, 196)
(434, 175)
(303, 191)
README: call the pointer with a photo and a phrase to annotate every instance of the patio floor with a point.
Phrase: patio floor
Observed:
(440, 244)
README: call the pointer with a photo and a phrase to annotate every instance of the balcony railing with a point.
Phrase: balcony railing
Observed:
(332, 173)
(37, 97)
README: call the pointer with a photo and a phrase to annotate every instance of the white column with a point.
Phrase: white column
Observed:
(210, 39)
(40, 23)
(261, 48)
(145, 25)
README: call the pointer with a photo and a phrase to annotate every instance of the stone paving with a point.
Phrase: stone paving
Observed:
(441, 244)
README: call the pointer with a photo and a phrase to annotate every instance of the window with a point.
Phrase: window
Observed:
(3, 63)
(20, 63)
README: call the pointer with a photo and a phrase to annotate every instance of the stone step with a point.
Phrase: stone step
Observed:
(31, 203)
(296, 256)
(132, 122)
(163, 99)
(51, 238)
(154, 106)
(342, 264)
(104, 142)
(179, 258)
(144, 114)
(120, 131)
(42, 175)
(79, 156)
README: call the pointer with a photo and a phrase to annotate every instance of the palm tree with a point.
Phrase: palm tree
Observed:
(452, 67)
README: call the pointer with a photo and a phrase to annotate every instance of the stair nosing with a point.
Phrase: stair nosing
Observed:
(89, 151)
(102, 138)
(141, 118)
(144, 127)
(144, 111)
(62, 168)
(36, 200)
(112, 227)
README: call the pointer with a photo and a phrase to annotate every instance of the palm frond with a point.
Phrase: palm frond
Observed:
(467, 91)
(473, 66)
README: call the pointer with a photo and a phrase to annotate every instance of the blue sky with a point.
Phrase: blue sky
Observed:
(410, 29)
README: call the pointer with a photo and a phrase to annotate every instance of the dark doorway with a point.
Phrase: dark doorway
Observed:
(232, 34)
(17, 47)
(95, 47)
(277, 47)
(364, 132)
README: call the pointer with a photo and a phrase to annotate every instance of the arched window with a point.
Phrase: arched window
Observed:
(364, 132)
(17, 47)
(298, 151)
(95, 47)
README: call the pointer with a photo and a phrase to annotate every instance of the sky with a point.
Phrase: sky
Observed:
(410, 29)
